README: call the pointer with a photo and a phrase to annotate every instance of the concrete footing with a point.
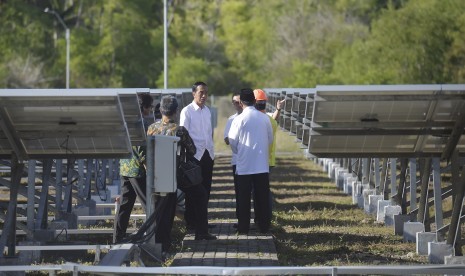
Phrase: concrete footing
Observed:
(411, 229)
(44, 235)
(437, 251)
(340, 177)
(423, 238)
(373, 203)
(358, 193)
(399, 221)
(349, 183)
(380, 209)
(29, 256)
(454, 260)
(389, 213)
(366, 194)
(332, 170)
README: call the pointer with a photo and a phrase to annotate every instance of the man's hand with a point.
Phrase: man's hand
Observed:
(280, 104)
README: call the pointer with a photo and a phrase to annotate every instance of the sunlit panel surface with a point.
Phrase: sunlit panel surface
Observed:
(60, 123)
(385, 120)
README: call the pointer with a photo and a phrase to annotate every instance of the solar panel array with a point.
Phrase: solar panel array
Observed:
(74, 123)
(374, 120)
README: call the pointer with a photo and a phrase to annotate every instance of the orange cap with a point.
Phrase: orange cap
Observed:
(260, 95)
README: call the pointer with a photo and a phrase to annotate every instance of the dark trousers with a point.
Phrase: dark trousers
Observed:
(132, 188)
(197, 204)
(206, 163)
(166, 208)
(260, 184)
(235, 188)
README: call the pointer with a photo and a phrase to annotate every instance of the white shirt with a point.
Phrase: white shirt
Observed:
(226, 131)
(198, 122)
(250, 137)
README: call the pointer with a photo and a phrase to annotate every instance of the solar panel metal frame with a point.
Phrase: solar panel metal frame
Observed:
(132, 114)
(385, 120)
(63, 123)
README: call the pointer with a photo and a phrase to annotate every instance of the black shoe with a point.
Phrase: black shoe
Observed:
(210, 226)
(205, 237)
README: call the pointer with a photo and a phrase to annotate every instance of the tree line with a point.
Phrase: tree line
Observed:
(232, 43)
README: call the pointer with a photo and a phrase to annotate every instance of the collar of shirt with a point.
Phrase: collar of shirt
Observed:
(196, 106)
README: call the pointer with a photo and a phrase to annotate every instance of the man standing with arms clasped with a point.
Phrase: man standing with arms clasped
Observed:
(196, 118)
(250, 137)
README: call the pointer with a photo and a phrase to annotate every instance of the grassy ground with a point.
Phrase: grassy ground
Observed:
(317, 225)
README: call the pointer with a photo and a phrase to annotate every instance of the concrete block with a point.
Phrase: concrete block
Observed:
(373, 203)
(350, 185)
(91, 204)
(399, 221)
(454, 260)
(423, 238)
(437, 251)
(102, 197)
(359, 193)
(325, 164)
(411, 229)
(380, 209)
(340, 177)
(356, 191)
(82, 210)
(44, 235)
(389, 213)
(348, 178)
(29, 256)
(332, 170)
(69, 218)
(366, 193)
(58, 226)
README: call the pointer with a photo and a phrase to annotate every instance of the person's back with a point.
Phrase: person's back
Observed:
(253, 142)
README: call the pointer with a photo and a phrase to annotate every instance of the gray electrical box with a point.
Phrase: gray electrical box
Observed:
(165, 148)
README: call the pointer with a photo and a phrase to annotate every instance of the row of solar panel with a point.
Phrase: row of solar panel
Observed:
(374, 120)
(77, 123)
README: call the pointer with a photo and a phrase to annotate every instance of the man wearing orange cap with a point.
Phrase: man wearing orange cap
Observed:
(260, 104)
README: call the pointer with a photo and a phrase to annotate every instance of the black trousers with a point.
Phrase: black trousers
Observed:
(197, 203)
(260, 184)
(131, 188)
(165, 206)
(134, 187)
(206, 163)
(235, 188)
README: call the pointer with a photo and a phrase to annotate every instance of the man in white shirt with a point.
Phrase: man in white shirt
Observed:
(250, 137)
(196, 118)
(236, 101)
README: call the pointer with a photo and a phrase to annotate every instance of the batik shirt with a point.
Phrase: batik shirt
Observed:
(170, 128)
(134, 167)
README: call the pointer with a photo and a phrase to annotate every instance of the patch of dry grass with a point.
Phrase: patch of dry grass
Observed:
(317, 225)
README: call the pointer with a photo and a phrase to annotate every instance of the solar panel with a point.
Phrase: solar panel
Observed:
(59, 123)
(132, 114)
(385, 120)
